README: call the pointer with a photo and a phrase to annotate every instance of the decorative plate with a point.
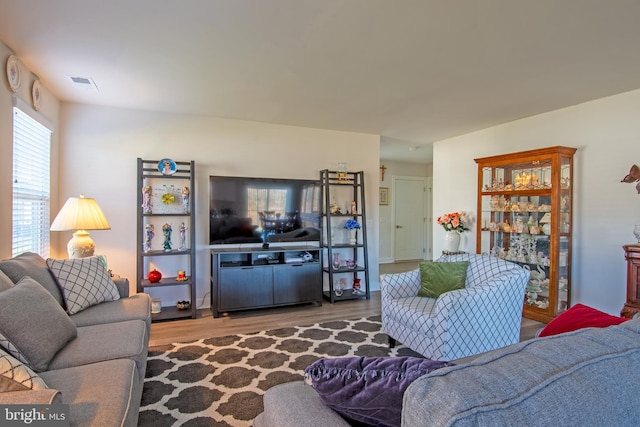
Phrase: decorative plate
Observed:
(13, 72)
(36, 94)
(167, 167)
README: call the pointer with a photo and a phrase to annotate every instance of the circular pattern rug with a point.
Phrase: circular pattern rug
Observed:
(220, 381)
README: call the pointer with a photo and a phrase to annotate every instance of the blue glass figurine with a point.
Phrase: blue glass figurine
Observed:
(166, 230)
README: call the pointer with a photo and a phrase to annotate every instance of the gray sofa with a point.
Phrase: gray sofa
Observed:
(99, 370)
(577, 378)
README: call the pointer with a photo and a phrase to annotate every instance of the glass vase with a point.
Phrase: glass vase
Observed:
(335, 261)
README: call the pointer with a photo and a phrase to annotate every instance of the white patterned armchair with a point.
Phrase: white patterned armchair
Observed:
(483, 316)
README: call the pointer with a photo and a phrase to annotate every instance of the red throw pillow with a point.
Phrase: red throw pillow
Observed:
(580, 316)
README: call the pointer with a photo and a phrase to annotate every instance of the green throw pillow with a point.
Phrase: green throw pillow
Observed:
(437, 278)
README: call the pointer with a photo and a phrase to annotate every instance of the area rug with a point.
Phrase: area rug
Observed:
(220, 381)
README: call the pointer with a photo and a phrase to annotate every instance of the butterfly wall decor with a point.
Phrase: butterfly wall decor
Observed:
(633, 176)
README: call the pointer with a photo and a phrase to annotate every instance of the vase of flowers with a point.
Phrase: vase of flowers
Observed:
(454, 223)
(351, 226)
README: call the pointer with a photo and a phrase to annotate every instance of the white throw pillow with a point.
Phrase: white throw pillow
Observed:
(84, 282)
(16, 376)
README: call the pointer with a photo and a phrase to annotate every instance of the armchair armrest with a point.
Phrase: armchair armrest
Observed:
(30, 397)
(400, 285)
(123, 285)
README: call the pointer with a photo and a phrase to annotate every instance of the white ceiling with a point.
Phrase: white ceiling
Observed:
(412, 71)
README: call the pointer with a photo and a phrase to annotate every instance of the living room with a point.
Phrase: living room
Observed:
(94, 151)
(98, 145)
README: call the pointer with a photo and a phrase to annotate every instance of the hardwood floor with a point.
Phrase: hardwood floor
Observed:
(205, 326)
(241, 322)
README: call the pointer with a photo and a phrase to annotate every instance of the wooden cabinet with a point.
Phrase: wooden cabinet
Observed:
(243, 279)
(165, 199)
(632, 306)
(288, 283)
(525, 203)
(345, 257)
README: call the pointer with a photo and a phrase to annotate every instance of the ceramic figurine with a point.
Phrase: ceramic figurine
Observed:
(166, 230)
(146, 199)
(183, 237)
(149, 236)
(186, 193)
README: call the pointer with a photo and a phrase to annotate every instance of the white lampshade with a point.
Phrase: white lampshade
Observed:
(81, 214)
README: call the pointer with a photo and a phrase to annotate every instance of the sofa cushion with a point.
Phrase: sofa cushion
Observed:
(33, 326)
(84, 282)
(100, 394)
(16, 376)
(437, 278)
(577, 376)
(367, 389)
(577, 317)
(135, 307)
(5, 282)
(34, 266)
(98, 343)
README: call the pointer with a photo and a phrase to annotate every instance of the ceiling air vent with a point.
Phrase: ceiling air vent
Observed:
(86, 83)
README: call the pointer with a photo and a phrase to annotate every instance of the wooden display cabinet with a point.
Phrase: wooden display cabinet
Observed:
(632, 306)
(525, 204)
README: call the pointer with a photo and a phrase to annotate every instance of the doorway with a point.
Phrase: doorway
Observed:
(411, 197)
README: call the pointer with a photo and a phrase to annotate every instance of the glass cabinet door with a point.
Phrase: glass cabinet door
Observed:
(524, 216)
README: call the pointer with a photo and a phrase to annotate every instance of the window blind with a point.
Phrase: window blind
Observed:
(31, 185)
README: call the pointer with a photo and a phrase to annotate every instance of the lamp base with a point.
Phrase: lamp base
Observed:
(80, 245)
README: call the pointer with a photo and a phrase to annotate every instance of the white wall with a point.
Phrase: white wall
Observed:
(98, 158)
(395, 168)
(49, 111)
(606, 133)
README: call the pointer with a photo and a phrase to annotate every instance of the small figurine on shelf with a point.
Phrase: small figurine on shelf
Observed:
(186, 193)
(166, 230)
(183, 237)
(354, 209)
(146, 199)
(334, 208)
(149, 236)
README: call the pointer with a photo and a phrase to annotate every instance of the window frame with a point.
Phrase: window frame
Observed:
(31, 182)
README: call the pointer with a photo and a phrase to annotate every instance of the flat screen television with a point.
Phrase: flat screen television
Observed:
(263, 210)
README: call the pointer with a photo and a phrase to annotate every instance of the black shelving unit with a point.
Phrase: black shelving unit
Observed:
(162, 212)
(344, 190)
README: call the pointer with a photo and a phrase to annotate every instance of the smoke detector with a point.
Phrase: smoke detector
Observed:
(85, 83)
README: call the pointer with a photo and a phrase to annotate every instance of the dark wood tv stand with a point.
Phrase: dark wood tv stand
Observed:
(249, 278)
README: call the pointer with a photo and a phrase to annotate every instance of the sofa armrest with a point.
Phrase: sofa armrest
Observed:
(296, 404)
(47, 396)
(123, 285)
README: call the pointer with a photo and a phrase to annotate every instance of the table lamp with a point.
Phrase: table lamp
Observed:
(80, 214)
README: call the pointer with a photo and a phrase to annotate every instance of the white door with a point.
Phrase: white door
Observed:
(409, 204)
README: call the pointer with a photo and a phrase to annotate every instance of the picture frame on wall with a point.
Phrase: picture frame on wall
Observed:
(384, 195)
